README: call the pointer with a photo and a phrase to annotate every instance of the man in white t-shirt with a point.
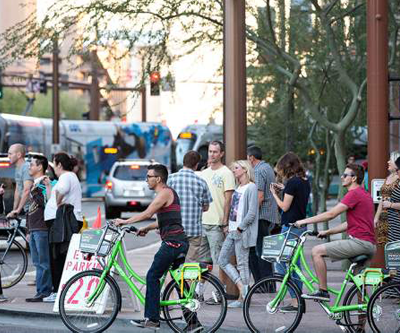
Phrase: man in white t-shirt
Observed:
(221, 183)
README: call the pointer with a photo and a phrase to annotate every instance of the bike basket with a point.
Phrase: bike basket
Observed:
(96, 241)
(392, 255)
(272, 248)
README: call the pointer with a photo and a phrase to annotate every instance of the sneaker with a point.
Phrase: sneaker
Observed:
(3, 298)
(194, 328)
(288, 309)
(319, 295)
(235, 304)
(146, 323)
(51, 298)
(35, 299)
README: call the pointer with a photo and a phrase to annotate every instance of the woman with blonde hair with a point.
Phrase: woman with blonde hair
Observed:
(295, 193)
(243, 229)
(381, 216)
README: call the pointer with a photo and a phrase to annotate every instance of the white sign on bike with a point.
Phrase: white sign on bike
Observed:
(74, 264)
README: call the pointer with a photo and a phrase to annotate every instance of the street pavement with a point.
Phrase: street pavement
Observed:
(20, 316)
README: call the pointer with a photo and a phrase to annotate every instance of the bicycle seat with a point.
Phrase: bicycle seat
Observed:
(359, 259)
(180, 260)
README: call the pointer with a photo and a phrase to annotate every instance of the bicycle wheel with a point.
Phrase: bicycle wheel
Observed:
(259, 314)
(197, 313)
(357, 318)
(13, 262)
(384, 309)
(77, 314)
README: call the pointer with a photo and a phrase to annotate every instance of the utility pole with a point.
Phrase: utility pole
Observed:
(94, 113)
(56, 97)
(235, 115)
(377, 96)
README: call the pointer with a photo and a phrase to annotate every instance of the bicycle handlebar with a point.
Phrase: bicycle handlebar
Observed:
(307, 232)
(16, 218)
(112, 226)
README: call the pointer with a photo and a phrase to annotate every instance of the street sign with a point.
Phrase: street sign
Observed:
(376, 185)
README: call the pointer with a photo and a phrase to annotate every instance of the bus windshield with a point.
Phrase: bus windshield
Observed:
(182, 147)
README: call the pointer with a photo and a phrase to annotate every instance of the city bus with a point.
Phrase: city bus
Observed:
(197, 137)
(96, 144)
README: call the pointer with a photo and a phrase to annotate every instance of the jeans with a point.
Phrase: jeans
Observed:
(163, 259)
(40, 253)
(260, 268)
(281, 267)
(233, 245)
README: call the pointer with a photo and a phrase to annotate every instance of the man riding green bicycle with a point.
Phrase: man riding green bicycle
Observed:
(174, 241)
(359, 208)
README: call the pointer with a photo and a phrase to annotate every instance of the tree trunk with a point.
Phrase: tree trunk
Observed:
(289, 119)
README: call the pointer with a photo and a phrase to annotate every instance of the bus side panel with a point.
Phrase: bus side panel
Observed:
(145, 141)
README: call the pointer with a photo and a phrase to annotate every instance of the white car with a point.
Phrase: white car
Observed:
(126, 188)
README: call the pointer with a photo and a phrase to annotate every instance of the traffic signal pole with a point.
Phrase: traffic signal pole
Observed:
(56, 96)
(94, 113)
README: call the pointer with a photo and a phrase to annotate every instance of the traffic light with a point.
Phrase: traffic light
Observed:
(43, 87)
(155, 83)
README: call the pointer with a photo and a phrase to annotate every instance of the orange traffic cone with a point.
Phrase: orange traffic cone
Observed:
(97, 222)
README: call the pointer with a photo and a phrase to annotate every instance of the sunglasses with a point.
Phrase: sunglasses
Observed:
(149, 176)
(348, 175)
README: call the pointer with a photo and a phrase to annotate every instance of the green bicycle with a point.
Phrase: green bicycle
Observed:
(265, 311)
(91, 300)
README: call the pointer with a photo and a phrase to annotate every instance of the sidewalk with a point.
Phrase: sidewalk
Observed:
(17, 310)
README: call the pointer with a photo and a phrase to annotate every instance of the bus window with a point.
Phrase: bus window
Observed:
(184, 143)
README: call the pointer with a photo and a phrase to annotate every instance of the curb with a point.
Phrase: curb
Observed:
(55, 324)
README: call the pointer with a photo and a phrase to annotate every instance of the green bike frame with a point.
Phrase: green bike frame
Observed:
(370, 276)
(118, 252)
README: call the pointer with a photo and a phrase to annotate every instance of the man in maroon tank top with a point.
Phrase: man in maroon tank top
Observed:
(174, 241)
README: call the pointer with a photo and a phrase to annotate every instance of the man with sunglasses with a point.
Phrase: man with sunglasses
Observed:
(359, 208)
(174, 241)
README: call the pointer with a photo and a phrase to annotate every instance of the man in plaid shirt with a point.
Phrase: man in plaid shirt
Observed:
(194, 197)
(268, 215)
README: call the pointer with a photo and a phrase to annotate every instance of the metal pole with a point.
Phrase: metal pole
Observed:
(94, 113)
(235, 118)
(143, 103)
(56, 99)
(378, 92)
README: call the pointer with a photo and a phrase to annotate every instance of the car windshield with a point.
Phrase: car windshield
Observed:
(130, 172)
